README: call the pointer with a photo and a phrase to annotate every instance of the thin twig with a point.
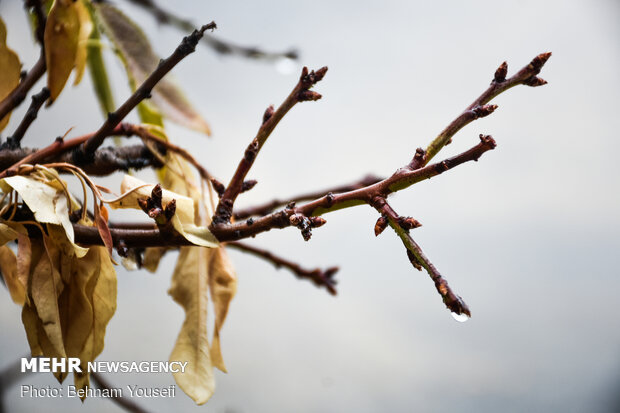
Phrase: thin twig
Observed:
(267, 207)
(417, 257)
(38, 100)
(126, 404)
(301, 92)
(221, 46)
(187, 46)
(17, 96)
(320, 278)
(479, 107)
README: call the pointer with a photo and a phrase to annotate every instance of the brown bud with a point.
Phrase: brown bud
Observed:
(268, 113)
(218, 187)
(319, 74)
(156, 195)
(539, 61)
(488, 140)
(484, 110)
(247, 185)
(316, 222)
(501, 72)
(170, 210)
(408, 223)
(380, 225)
(143, 203)
(308, 95)
(535, 81)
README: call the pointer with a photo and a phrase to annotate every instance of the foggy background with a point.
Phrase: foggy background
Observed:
(528, 236)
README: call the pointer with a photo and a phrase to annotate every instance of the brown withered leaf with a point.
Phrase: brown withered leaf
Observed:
(189, 289)
(140, 60)
(61, 37)
(223, 286)
(79, 297)
(8, 267)
(10, 67)
(44, 287)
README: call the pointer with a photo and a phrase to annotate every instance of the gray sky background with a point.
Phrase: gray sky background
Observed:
(528, 236)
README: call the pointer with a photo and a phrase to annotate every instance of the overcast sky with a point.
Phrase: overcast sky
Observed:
(528, 236)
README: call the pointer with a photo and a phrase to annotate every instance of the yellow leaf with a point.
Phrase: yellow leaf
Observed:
(10, 67)
(8, 267)
(86, 27)
(61, 36)
(140, 60)
(183, 220)
(223, 286)
(189, 289)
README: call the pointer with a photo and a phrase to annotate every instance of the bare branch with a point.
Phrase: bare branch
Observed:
(301, 92)
(38, 100)
(187, 46)
(267, 207)
(418, 259)
(479, 107)
(106, 160)
(320, 278)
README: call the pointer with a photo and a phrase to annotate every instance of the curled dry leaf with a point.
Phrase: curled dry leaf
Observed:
(47, 201)
(10, 67)
(62, 32)
(183, 219)
(140, 60)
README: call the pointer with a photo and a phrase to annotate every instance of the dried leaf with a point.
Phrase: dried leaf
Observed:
(8, 267)
(61, 43)
(73, 299)
(44, 288)
(2, 32)
(140, 60)
(10, 67)
(183, 220)
(86, 27)
(189, 289)
(223, 286)
(48, 203)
